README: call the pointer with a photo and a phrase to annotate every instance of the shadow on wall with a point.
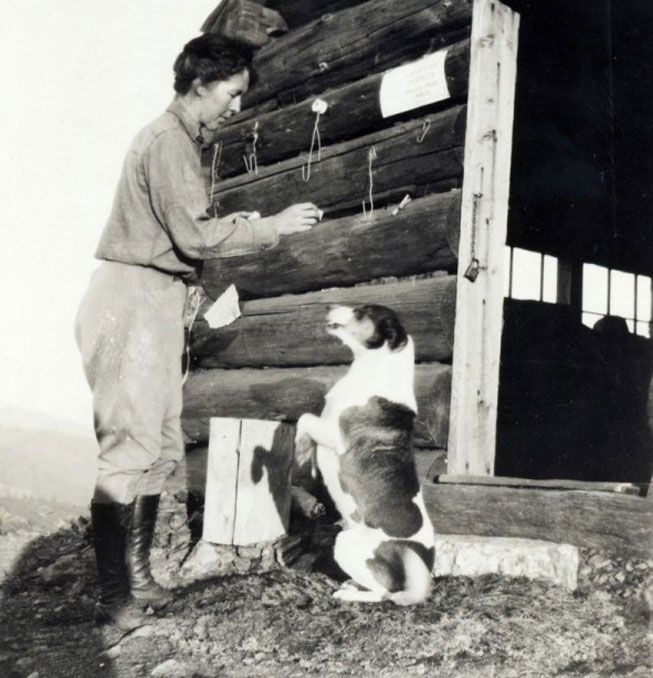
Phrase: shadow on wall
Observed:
(275, 465)
(572, 400)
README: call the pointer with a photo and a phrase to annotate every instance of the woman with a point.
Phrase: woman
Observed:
(129, 327)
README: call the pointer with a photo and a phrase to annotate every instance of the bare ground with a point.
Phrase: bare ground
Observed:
(284, 622)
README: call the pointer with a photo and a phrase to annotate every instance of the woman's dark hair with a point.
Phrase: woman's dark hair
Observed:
(210, 57)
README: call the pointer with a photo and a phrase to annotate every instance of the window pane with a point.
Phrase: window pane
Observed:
(550, 291)
(643, 297)
(644, 329)
(526, 274)
(622, 294)
(595, 288)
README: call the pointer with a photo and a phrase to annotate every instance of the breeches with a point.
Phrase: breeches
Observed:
(130, 332)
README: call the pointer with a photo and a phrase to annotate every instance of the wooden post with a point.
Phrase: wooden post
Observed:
(479, 305)
(247, 481)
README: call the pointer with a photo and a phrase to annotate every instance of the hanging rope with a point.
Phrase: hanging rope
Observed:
(215, 165)
(371, 156)
(195, 297)
(250, 159)
(319, 107)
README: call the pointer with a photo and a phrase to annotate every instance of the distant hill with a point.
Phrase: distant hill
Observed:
(18, 418)
(44, 457)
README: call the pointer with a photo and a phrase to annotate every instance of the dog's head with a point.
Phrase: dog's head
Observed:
(366, 328)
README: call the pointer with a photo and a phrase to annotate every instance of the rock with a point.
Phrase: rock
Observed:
(171, 668)
(24, 664)
(620, 577)
(207, 560)
(464, 555)
(249, 644)
(250, 552)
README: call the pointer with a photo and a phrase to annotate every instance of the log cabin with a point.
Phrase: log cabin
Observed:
(517, 129)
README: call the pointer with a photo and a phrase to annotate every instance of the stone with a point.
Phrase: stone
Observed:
(207, 560)
(171, 668)
(470, 556)
(24, 663)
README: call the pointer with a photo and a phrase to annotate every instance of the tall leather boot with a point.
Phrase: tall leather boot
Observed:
(141, 532)
(116, 605)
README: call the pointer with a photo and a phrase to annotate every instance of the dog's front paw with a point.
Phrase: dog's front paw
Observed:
(304, 446)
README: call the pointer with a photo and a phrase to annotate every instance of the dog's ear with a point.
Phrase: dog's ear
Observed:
(393, 332)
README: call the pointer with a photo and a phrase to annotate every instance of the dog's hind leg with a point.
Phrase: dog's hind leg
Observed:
(358, 596)
(353, 550)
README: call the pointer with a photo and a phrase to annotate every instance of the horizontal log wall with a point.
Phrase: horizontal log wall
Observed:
(378, 34)
(422, 237)
(419, 153)
(406, 161)
(291, 330)
(286, 393)
(299, 12)
(354, 109)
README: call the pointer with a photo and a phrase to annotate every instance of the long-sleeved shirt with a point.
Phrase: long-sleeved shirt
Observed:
(160, 215)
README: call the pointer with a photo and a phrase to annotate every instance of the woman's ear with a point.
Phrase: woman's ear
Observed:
(198, 88)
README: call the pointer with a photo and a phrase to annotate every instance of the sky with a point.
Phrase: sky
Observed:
(79, 79)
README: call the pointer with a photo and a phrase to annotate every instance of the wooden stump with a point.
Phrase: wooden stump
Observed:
(247, 481)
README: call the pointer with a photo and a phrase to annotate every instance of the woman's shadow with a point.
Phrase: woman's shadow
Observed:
(47, 603)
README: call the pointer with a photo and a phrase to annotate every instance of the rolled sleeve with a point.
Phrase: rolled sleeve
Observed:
(180, 203)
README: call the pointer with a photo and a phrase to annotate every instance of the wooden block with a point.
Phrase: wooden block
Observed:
(600, 520)
(553, 484)
(248, 481)
(221, 480)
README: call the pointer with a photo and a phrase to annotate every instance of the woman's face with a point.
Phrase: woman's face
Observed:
(219, 100)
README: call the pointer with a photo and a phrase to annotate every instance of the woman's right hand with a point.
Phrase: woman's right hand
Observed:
(297, 218)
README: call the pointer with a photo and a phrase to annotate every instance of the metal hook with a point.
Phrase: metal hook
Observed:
(250, 160)
(426, 126)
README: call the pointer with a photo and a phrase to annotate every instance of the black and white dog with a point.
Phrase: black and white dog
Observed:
(362, 444)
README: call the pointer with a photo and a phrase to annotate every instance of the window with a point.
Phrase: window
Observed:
(531, 275)
(607, 291)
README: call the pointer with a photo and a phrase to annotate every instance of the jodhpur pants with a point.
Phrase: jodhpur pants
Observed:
(130, 332)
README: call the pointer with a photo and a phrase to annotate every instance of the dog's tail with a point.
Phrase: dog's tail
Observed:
(417, 580)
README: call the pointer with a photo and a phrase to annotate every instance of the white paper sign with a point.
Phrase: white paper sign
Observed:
(414, 85)
(225, 309)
